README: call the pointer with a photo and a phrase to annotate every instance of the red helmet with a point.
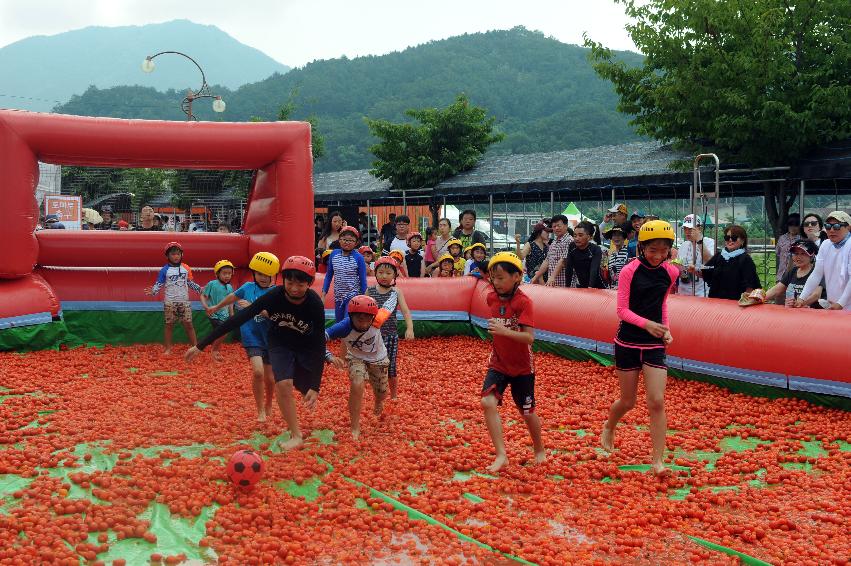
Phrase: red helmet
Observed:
(365, 249)
(364, 304)
(387, 260)
(300, 263)
(351, 229)
(170, 245)
(414, 235)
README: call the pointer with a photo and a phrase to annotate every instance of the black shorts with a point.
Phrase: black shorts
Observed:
(522, 389)
(252, 351)
(631, 359)
(304, 368)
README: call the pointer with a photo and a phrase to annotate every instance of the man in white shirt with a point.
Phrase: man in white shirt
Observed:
(400, 242)
(833, 263)
(694, 252)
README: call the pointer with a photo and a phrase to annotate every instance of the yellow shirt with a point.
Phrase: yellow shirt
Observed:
(460, 263)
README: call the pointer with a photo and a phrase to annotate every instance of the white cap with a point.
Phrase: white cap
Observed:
(691, 221)
(840, 216)
(619, 208)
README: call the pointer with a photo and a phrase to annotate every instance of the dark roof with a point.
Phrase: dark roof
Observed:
(634, 170)
(832, 161)
(625, 165)
(348, 185)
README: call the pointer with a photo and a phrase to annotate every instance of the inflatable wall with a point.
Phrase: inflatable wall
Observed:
(100, 275)
(278, 219)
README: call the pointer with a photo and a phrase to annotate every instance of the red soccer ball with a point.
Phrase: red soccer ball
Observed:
(245, 468)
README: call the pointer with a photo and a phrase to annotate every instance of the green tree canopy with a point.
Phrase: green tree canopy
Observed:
(760, 82)
(445, 142)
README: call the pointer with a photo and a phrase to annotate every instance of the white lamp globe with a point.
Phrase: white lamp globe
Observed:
(218, 104)
(147, 65)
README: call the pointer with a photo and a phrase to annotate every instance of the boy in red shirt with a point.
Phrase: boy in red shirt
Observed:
(512, 327)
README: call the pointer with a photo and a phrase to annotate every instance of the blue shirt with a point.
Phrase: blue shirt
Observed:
(348, 273)
(215, 290)
(632, 248)
(254, 331)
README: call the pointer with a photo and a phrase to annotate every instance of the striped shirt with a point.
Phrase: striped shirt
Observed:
(348, 273)
(389, 301)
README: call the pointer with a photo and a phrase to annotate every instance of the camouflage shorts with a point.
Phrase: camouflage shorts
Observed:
(375, 372)
(175, 312)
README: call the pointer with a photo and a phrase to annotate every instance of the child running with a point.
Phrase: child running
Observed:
(348, 270)
(414, 262)
(264, 267)
(176, 278)
(643, 288)
(513, 329)
(389, 298)
(365, 353)
(296, 340)
(214, 292)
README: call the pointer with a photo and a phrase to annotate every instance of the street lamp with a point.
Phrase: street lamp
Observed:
(191, 95)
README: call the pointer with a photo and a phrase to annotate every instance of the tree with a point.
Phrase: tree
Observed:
(760, 82)
(445, 142)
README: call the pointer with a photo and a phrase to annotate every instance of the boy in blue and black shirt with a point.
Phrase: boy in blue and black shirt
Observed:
(265, 267)
(347, 268)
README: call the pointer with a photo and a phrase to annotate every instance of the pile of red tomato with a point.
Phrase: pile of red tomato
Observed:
(92, 438)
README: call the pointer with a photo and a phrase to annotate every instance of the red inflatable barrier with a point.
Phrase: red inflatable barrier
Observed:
(95, 248)
(280, 208)
(34, 301)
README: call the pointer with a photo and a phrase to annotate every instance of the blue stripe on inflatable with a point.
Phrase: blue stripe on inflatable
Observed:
(25, 320)
(123, 306)
(814, 385)
(727, 372)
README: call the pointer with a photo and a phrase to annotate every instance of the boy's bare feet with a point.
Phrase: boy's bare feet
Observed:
(167, 351)
(540, 457)
(379, 407)
(659, 469)
(261, 417)
(356, 433)
(498, 464)
(217, 356)
(607, 438)
(292, 443)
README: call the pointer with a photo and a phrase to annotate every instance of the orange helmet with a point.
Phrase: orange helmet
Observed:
(365, 249)
(300, 263)
(171, 245)
(351, 229)
(414, 235)
(363, 304)
(387, 260)
(397, 255)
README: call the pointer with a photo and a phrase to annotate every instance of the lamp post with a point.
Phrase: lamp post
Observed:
(191, 95)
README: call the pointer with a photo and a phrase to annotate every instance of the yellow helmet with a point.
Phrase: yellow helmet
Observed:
(506, 257)
(444, 257)
(656, 229)
(220, 264)
(468, 248)
(477, 245)
(266, 263)
(454, 241)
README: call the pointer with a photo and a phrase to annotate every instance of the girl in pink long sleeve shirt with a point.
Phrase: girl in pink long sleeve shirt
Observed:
(643, 288)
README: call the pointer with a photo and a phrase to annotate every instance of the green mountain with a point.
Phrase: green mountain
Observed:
(40, 72)
(544, 94)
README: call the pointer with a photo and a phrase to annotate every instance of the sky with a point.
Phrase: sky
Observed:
(296, 32)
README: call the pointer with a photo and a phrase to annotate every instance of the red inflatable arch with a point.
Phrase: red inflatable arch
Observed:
(278, 219)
